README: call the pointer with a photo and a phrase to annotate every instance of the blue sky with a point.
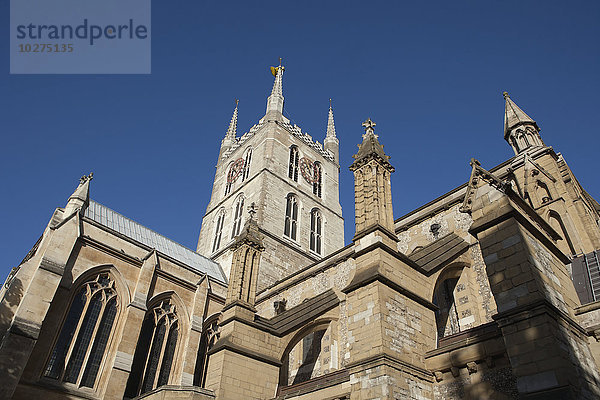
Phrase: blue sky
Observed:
(430, 74)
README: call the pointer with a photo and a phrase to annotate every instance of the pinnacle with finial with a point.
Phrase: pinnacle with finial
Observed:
(250, 234)
(232, 130)
(86, 178)
(513, 115)
(330, 123)
(369, 126)
(370, 148)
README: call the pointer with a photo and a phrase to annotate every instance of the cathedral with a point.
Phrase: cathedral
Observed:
(491, 291)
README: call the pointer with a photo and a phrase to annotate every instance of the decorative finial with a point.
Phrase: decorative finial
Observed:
(330, 103)
(369, 125)
(280, 61)
(236, 102)
(85, 178)
(252, 210)
(505, 94)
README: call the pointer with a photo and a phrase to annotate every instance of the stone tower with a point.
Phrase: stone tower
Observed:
(292, 179)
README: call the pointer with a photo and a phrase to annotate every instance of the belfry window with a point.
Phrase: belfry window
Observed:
(315, 231)
(237, 221)
(218, 231)
(247, 161)
(317, 179)
(293, 165)
(291, 217)
(229, 181)
(84, 337)
(155, 351)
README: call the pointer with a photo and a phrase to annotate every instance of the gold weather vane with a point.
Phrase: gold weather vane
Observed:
(275, 69)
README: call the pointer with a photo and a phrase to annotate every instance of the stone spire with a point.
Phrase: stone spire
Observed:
(230, 136)
(232, 130)
(80, 198)
(330, 122)
(372, 185)
(331, 142)
(520, 130)
(275, 100)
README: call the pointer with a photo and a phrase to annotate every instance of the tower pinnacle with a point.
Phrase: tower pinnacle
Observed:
(330, 122)
(275, 100)
(80, 197)
(230, 136)
(331, 142)
(232, 130)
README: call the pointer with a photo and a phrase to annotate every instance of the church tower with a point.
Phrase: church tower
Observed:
(291, 178)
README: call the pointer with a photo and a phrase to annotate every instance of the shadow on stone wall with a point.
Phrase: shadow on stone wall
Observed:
(10, 356)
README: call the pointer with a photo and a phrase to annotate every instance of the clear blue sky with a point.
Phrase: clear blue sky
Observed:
(430, 74)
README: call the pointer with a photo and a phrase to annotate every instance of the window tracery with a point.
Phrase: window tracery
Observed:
(85, 334)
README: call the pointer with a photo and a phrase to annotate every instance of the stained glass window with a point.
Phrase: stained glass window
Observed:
(85, 333)
(155, 351)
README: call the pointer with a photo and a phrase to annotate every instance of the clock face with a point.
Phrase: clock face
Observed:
(308, 170)
(235, 170)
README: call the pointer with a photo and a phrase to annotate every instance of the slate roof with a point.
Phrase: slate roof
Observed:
(133, 230)
(439, 252)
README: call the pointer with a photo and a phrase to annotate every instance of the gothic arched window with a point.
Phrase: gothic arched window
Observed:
(543, 192)
(237, 219)
(515, 144)
(291, 217)
(85, 333)
(229, 180)
(247, 161)
(447, 319)
(155, 350)
(310, 355)
(218, 231)
(293, 165)
(210, 334)
(316, 224)
(317, 178)
(524, 138)
(557, 224)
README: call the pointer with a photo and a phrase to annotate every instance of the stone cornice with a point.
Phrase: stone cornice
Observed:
(226, 344)
(373, 228)
(392, 361)
(530, 310)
